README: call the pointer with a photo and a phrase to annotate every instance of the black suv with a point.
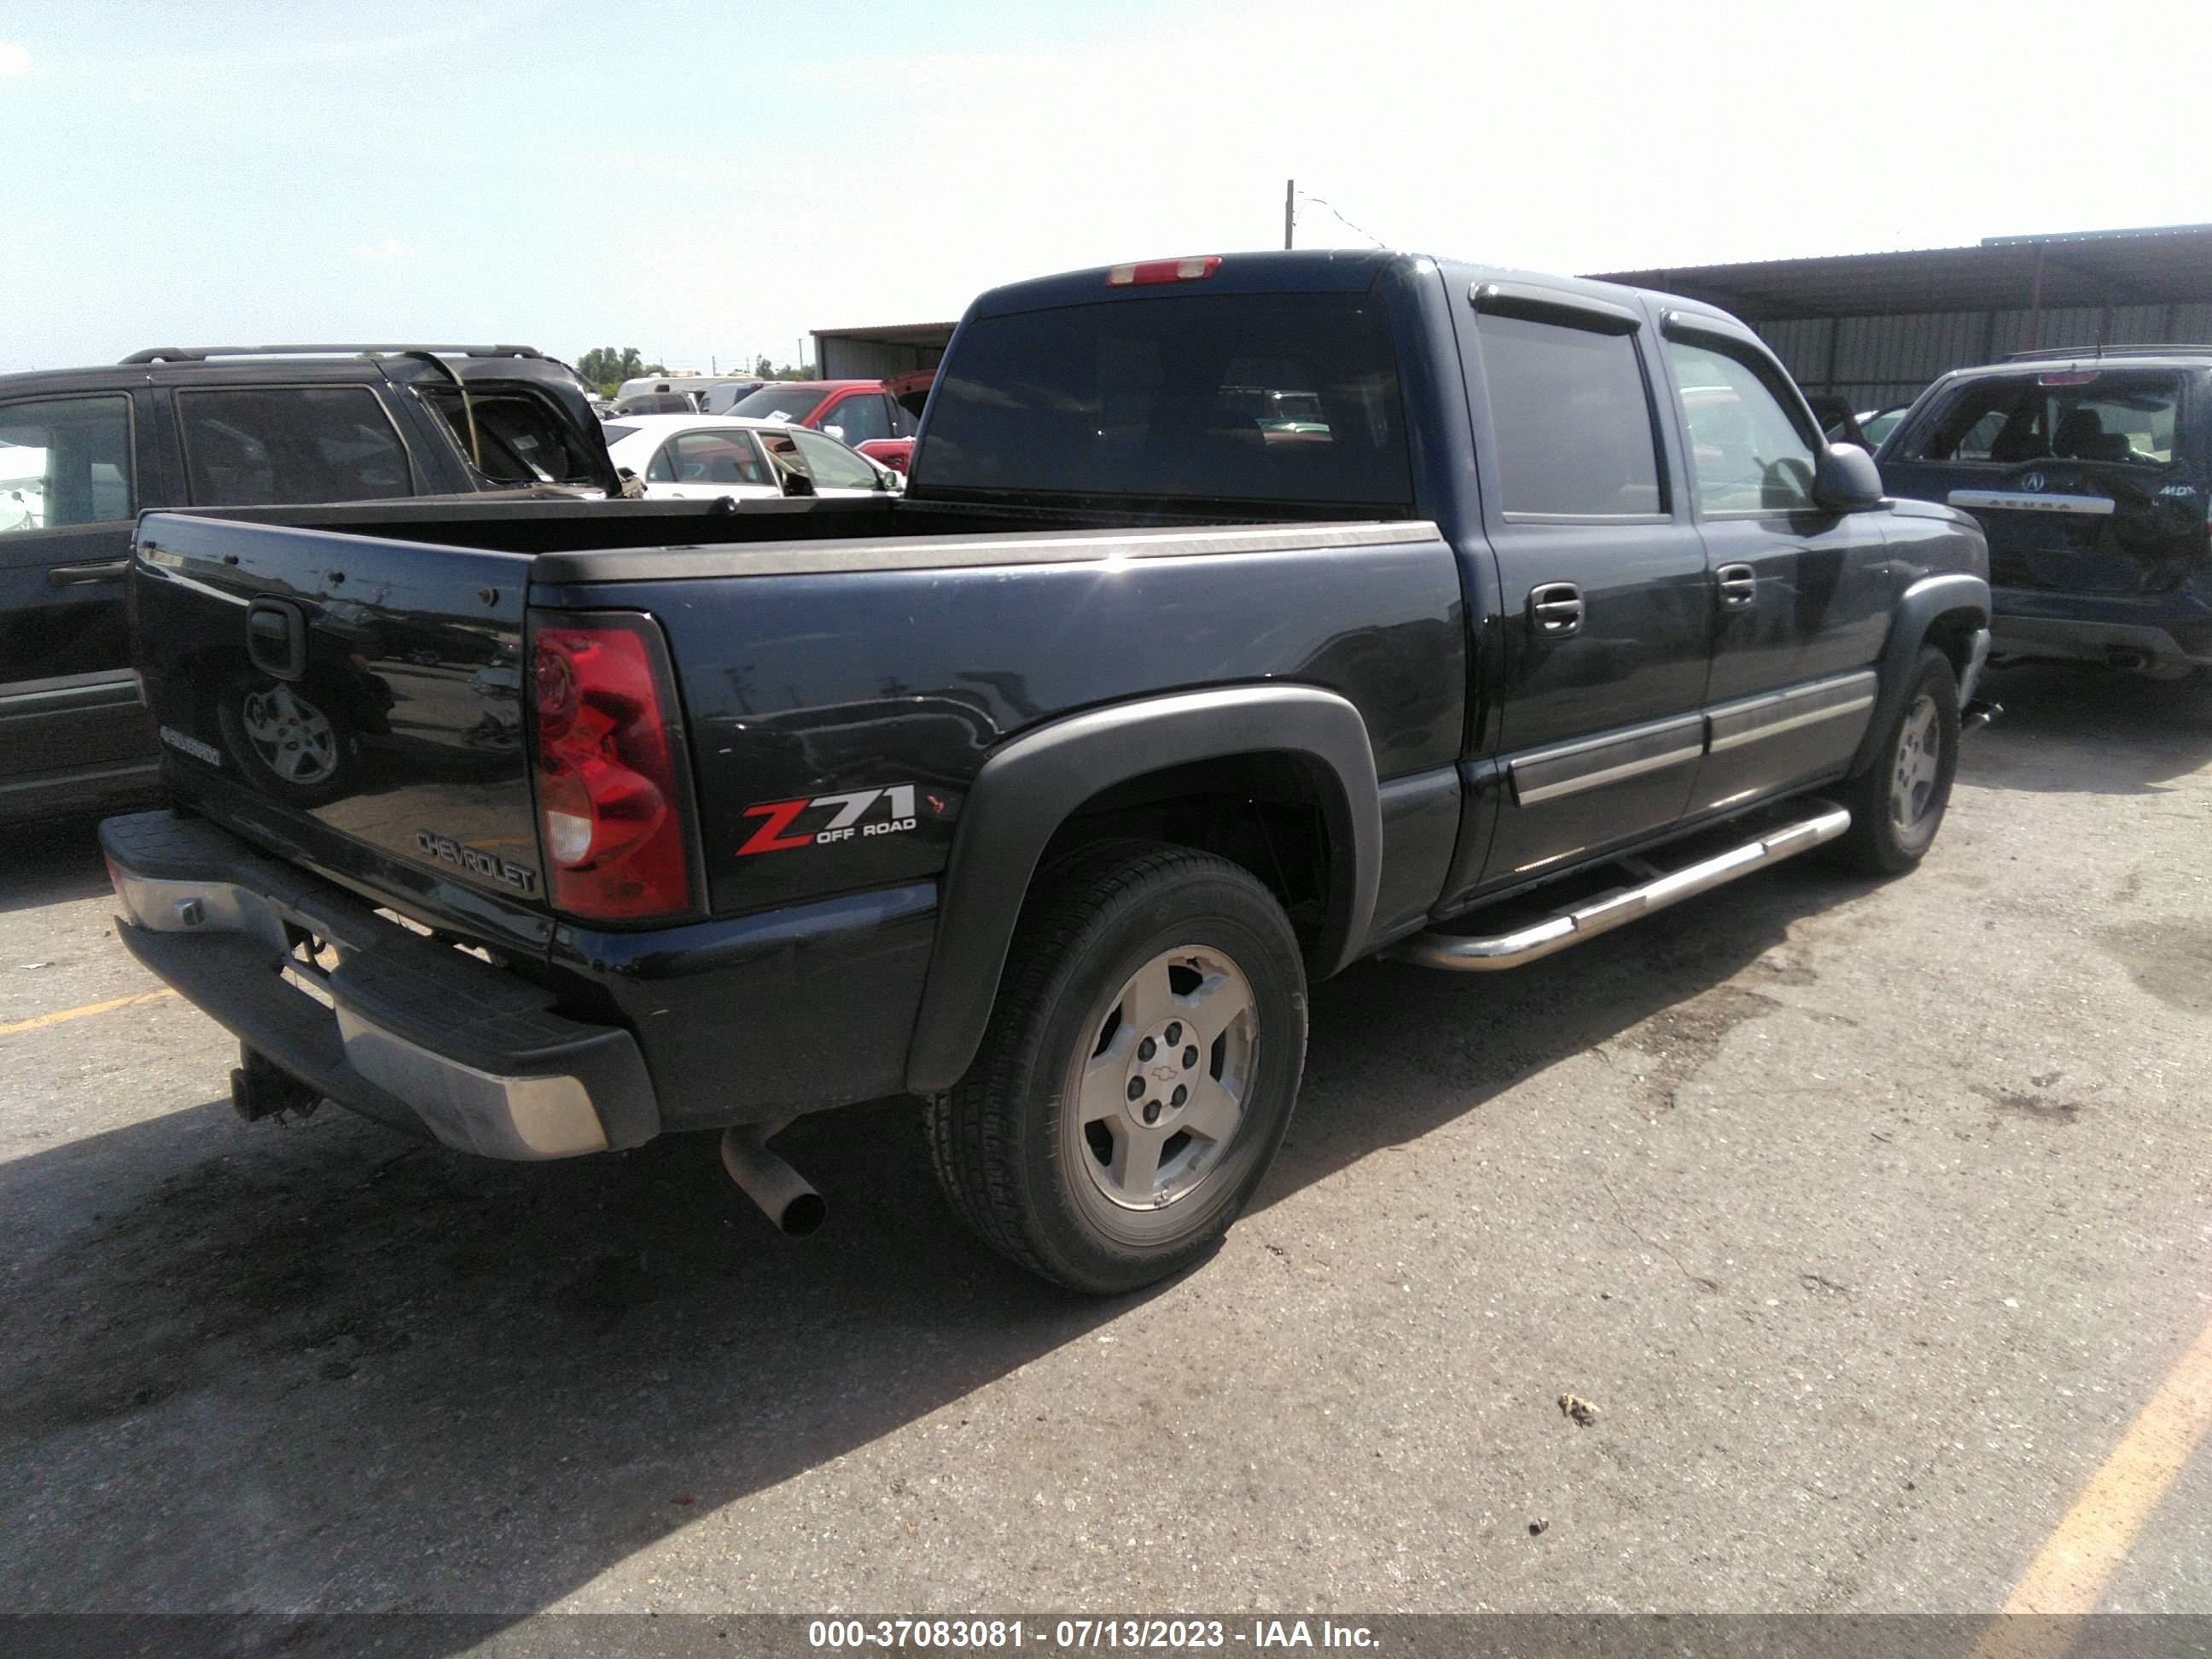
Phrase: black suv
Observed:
(2090, 471)
(82, 450)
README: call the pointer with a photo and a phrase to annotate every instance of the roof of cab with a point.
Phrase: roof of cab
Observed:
(1304, 270)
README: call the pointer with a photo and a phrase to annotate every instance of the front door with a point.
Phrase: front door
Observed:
(1608, 622)
(1801, 595)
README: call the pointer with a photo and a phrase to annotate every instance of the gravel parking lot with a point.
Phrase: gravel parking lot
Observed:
(1868, 1218)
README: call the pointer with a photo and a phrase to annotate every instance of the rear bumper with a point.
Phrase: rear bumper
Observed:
(2174, 630)
(414, 1033)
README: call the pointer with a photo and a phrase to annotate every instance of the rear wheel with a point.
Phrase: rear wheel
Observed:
(1897, 803)
(1139, 1071)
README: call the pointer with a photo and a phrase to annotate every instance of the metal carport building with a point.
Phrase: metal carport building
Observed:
(1875, 328)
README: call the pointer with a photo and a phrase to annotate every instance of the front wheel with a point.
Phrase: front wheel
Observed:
(1897, 803)
(1139, 1071)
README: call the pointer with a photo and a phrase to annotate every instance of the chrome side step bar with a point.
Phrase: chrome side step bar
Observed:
(1482, 953)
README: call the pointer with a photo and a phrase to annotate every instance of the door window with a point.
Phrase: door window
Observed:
(833, 466)
(861, 416)
(289, 445)
(717, 457)
(1747, 453)
(1571, 420)
(65, 461)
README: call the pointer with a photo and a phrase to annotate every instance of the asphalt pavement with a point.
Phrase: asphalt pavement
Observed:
(1867, 1219)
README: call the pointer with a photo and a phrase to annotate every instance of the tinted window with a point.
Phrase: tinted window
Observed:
(289, 445)
(861, 418)
(717, 457)
(614, 433)
(833, 466)
(791, 402)
(64, 461)
(1154, 398)
(2080, 414)
(1570, 419)
(1746, 452)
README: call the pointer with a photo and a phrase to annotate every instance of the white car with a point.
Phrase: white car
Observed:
(700, 457)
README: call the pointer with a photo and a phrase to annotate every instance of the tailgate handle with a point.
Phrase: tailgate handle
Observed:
(277, 639)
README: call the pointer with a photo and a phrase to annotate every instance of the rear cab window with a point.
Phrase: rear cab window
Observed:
(2122, 417)
(289, 445)
(1266, 397)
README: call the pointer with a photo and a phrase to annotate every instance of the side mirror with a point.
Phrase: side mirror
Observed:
(798, 483)
(1845, 479)
(836, 432)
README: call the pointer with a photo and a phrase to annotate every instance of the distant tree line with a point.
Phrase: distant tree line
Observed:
(608, 367)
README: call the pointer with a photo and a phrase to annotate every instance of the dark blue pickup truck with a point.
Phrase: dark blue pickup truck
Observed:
(1044, 792)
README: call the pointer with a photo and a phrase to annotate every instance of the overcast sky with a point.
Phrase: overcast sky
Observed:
(707, 178)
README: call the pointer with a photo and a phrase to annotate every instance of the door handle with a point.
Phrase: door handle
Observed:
(84, 576)
(1738, 585)
(1555, 609)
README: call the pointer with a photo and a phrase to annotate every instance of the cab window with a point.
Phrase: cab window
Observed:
(1747, 453)
(1571, 420)
(65, 461)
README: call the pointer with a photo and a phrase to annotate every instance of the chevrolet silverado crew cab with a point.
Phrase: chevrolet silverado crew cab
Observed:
(1246, 617)
(83, 450)
(2091, 472)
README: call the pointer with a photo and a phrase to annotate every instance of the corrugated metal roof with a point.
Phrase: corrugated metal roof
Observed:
(2155, 267)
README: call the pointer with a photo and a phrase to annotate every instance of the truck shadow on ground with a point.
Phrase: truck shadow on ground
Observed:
(2088, 730)
(318, 1366)
(50, 863)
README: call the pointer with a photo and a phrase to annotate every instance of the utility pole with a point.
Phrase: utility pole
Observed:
(1290, 209)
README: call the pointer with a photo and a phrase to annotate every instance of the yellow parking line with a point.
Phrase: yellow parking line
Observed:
(2071, 1572)
(89, 1008)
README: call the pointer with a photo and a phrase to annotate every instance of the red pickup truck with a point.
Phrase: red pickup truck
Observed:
(876, 418)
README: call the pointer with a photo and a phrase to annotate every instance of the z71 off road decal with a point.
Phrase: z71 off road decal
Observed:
(854, 815)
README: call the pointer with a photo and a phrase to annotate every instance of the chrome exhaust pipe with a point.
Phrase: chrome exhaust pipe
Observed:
(783, 1194)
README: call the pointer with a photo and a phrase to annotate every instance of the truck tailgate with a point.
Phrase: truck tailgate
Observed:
(355, 702)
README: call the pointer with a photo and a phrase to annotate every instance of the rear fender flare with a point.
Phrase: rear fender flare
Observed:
(1918, 610)
(1032, 784)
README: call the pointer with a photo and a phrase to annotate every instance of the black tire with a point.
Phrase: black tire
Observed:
(1892, 828)
(1017, 1163)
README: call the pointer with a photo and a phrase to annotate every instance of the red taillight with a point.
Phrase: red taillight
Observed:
(609, 803)
(1148, 271)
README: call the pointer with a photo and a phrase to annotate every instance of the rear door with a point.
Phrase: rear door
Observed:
(1800, 596)
(1607, 614)
(69, 488)
(2078, 473)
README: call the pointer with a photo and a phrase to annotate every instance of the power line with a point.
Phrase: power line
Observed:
(1320, 201)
